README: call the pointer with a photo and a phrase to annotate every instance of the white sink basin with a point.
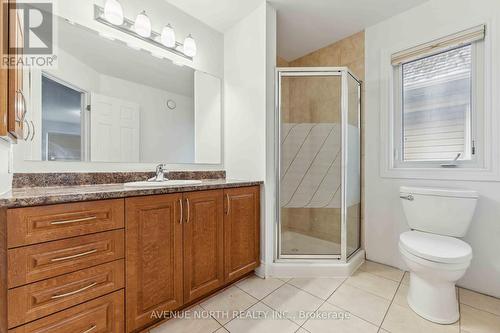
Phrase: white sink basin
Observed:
(165, 183)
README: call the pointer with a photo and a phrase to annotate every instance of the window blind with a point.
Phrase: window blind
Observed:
(439, 45)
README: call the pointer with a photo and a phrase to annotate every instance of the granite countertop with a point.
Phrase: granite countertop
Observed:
(35, 196)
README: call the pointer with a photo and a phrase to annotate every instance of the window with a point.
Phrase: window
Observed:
(438, 103)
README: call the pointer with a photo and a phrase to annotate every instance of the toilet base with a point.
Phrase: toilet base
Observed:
(433, 300)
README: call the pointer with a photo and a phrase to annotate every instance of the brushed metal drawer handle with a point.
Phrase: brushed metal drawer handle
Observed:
(74, 292)
(90, 218)
(228, 208)
(74, 256)
(181, 212)
(90, 329)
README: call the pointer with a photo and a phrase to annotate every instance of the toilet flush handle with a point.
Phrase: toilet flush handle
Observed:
(408, 197)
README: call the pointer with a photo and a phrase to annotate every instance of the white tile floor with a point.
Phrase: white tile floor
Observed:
(372, 300)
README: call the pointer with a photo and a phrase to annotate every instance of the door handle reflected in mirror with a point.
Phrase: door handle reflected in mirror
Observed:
(32, 130)
(28, 126)
(408, 197)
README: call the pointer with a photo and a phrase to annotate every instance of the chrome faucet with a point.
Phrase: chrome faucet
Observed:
(160, 174)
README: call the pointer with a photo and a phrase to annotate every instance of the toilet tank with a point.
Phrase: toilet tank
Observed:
(440, 211)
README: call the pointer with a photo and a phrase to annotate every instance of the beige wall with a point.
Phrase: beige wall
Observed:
(349, 52)
(299, 104)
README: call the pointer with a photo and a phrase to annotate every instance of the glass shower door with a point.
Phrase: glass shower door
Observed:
(310, 177)
(352, 169)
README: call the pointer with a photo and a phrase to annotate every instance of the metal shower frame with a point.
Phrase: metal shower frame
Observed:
(344, 73)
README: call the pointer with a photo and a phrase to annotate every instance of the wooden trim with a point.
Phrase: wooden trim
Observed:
(4, 75)
(3, 270)
(15, 80)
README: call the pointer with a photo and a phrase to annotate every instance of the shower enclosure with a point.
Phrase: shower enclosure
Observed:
(318, 163)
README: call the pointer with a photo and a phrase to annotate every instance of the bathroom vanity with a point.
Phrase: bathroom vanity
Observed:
(106, 258)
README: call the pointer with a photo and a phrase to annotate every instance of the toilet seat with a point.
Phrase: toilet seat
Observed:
(436, 248)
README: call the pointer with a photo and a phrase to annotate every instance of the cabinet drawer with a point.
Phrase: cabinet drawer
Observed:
(34, 225)
(102, 315)
(42, 261)
(43, 298)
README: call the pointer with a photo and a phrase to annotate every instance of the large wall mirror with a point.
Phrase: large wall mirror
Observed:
(110, 102)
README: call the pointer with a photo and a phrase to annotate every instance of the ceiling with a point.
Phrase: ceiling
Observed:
(218, 14)
(307, 25)
(303, 25)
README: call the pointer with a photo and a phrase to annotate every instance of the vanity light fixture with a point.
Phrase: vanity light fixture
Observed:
(142, 25)
(168, 36)
(141, 29)
(189, 46)
(113, 12)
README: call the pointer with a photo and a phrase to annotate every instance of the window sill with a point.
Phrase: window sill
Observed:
(459, 174)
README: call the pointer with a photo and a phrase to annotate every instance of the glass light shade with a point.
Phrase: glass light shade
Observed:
(189, 46)
(142, 25)
(113, 12)
(168, 36)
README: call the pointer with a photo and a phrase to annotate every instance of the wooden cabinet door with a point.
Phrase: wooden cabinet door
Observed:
(203, 243)
(153, 258)
(241, 231)
(16, 99)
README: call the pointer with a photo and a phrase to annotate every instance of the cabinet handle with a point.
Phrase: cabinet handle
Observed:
(25, 106)
(90, 329)
(188, 211)
(33, 131)
(74, 292)
(181, 215)
(74, 256)
(228, 204)
(26, 138)
(74, 221)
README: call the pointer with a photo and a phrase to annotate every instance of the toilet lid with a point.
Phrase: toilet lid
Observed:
(436, 248)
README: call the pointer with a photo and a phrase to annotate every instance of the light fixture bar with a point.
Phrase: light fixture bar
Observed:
(128, 28)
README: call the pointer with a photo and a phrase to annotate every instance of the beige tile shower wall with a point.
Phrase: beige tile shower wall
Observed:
(280, 62)
(298, 96)
(311, 100)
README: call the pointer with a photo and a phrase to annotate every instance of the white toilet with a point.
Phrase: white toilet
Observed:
(435, 258)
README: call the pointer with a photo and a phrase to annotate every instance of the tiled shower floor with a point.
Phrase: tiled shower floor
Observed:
(372, 300)
(297, 243)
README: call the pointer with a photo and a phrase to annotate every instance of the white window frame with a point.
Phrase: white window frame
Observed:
(473, 135)
(486, 123)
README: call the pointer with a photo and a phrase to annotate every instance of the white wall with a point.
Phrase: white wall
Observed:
(250, 56)
(245, 97)
(207, 118)
(384, 218)
(5, 175)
